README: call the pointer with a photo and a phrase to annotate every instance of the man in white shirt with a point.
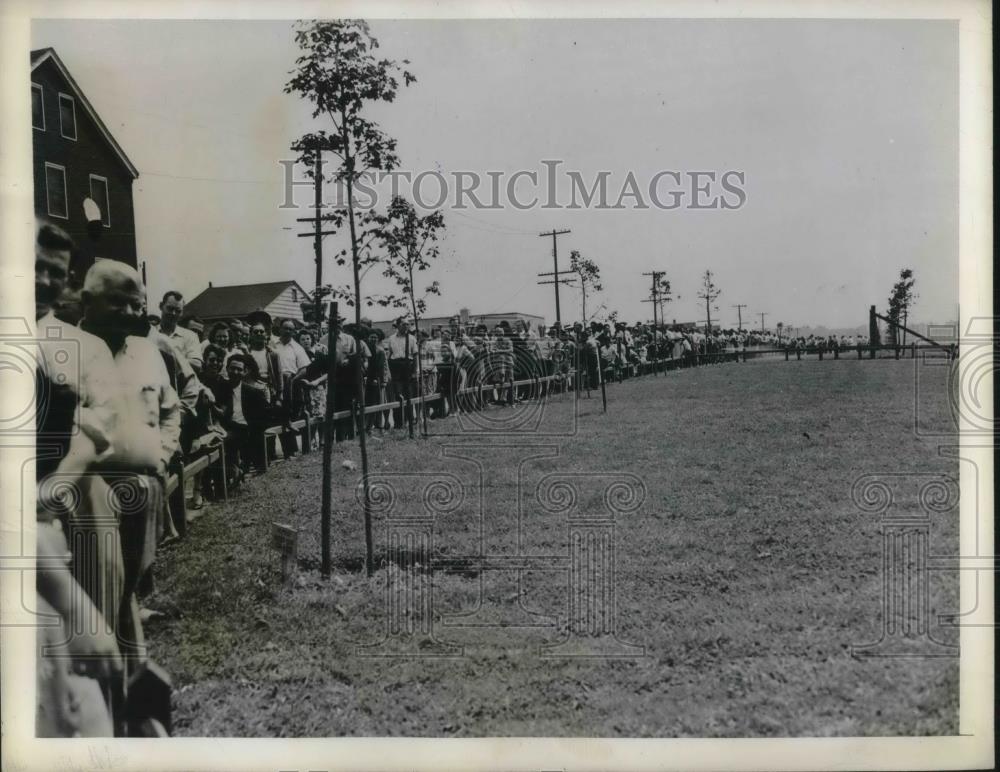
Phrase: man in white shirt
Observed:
(147, 431)
(185, 341)
(402, 350)
(292, 359)
(291, 355)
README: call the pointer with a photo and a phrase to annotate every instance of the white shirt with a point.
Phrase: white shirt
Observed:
(149, 423)
(69, 356)
(186, 343)
(397, 346)
(238, 417)
(291, 356)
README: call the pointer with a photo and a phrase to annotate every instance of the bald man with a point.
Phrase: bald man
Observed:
(147, 432)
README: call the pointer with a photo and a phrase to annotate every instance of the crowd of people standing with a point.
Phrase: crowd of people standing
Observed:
(131, 396)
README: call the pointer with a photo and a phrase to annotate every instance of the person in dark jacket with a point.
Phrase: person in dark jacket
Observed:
(245, 415)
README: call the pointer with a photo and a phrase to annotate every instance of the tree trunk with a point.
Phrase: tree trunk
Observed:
(359, 380)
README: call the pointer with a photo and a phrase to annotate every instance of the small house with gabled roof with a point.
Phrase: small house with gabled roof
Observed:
(280, 299)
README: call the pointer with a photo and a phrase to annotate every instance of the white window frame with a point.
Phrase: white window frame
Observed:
(48, 200)
(62, 129)
(105, 215)
(41, 94)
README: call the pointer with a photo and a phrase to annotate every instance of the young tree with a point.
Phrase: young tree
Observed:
(900, 300)
(339, 74)
(709, 292)
(664, 293)
(410, 243)
(589, 274)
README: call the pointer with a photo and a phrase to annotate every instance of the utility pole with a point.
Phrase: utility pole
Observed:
(654, 299)
(654, 296)
(762, 315)
(739, 313)
(317, 233)
(708, 293)
(555, 269)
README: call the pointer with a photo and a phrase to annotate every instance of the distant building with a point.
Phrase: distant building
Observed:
(465, 320)
(280, 299)
(699, 326)
(77, 158)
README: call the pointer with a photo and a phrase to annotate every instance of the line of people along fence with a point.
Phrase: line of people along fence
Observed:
(137, 411)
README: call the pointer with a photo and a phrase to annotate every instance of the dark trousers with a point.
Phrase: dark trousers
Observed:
(244, 448)
(375, 395)
(447, 378)
(401, 372)
(344, 389)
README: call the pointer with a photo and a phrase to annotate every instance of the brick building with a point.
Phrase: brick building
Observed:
(76, 158)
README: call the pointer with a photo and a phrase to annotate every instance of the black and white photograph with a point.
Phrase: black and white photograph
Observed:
(451, 374)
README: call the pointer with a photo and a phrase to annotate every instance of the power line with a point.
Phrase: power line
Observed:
(492, 226)
(555, 269)
(211, 179)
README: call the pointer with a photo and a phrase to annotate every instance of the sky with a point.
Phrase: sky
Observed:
(846, 133)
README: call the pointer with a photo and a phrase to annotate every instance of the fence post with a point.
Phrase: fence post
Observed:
(176, 502)
(798, 354)
(786, 354)
(224, 471)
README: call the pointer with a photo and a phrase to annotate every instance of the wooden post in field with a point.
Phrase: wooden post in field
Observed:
(328, 435)
(285, 539)
(409, 386)
(604, 392)
(873, 335)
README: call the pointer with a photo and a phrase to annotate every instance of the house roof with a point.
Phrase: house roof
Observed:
(238, 300)
(42, 55)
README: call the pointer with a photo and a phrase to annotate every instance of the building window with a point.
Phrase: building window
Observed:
(67, 116)
(55, 190)
(295, 295)
(99, 192)
(37, 107)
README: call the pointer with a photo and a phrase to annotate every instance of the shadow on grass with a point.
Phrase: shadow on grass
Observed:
(406, 560)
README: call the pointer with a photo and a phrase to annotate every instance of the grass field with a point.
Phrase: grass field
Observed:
(746, 575)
